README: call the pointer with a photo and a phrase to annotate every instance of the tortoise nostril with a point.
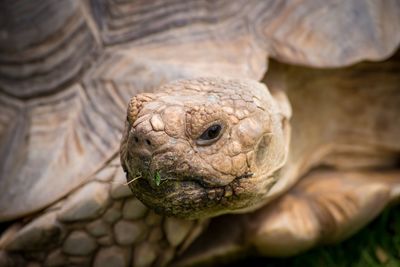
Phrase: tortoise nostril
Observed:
(136, 139)
(148, 142)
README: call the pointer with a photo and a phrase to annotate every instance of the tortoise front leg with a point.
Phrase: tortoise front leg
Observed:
(99, 224)
(327, 206)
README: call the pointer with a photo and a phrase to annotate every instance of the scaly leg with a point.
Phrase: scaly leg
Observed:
(327, 206)
(99, 224)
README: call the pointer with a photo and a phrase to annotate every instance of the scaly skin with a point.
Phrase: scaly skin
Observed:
(163, 139)
(249, 163)
(233, 173)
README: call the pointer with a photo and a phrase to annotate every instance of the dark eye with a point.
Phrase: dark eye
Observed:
(210, 135)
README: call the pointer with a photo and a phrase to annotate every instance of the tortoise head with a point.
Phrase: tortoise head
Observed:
(204, 147)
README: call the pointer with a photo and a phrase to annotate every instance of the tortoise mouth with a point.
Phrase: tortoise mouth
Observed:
(157, 178)
(190, 198)
(161, 181)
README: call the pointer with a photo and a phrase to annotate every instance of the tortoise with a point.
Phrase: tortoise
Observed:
(222, 162)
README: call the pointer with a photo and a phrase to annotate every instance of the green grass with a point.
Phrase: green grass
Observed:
(378, 244)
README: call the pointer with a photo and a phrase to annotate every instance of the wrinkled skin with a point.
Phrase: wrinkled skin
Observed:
(204, 147)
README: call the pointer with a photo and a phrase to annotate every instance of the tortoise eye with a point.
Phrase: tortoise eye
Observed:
(210, 135)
